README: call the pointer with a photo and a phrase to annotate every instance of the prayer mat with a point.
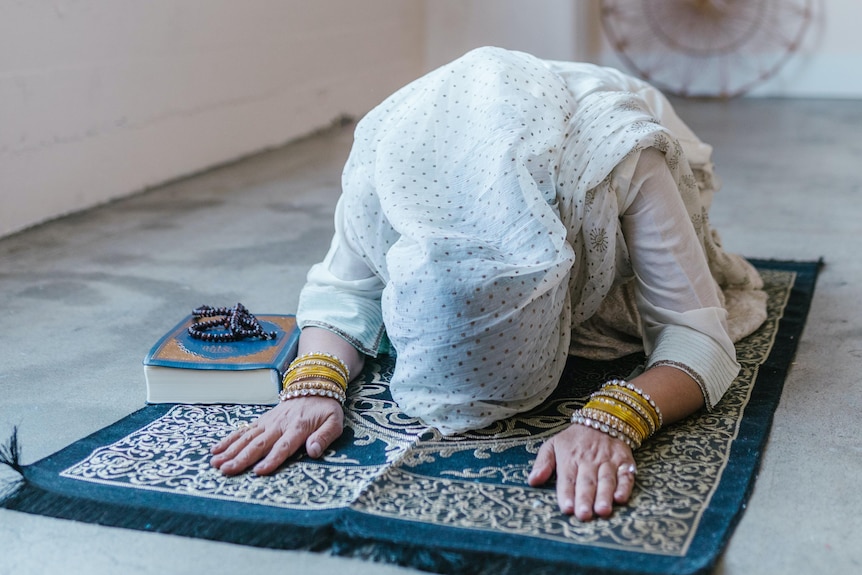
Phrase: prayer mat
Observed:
(394, 490)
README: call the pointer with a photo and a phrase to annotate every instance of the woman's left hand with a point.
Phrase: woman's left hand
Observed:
(594, 471)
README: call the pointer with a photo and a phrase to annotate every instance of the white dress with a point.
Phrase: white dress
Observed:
(501, 204)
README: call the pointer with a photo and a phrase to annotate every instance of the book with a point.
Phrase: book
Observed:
(183, 369)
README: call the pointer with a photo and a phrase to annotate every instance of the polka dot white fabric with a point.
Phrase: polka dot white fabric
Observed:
(451, 193)
(483, 201)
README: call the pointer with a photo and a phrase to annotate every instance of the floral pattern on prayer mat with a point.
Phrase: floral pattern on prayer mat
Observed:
(393, 489)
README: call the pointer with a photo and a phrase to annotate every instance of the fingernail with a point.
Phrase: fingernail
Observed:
(314, 450)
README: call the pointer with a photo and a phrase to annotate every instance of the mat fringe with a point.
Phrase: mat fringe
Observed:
(460, 562)
(10, 456)
(23, 490)
(20, 494)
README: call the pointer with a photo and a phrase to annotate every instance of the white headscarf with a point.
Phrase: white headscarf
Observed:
(481, 195)
(462, 223)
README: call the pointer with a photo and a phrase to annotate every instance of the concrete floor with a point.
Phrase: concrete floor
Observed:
(94, 290)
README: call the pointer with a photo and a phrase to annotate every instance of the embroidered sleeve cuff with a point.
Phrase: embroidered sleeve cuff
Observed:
(355, 315)
(698, 355)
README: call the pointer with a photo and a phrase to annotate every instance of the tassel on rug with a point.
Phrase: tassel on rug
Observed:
(10, 456)
(39, 489)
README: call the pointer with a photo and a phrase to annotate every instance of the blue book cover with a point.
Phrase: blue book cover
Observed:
(183, 369)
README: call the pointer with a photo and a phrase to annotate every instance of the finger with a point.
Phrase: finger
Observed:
(544, 465)
(252, 452)
(625, 482)
(233, 436)
(566, 487)
(284, 447)
(221, 445)
(242, 438)
(328, 432)
(585, 492)
(604, 503)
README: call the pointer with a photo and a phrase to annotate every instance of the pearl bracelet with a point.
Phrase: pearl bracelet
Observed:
(621, 410)
(321, 391)
(581, 419)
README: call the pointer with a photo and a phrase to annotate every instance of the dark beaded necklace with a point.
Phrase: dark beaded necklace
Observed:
(237, 322)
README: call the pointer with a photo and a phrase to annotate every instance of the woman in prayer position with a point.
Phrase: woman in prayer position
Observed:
(498, 214)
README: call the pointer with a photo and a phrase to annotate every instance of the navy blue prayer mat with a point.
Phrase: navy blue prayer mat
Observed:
(394, 490)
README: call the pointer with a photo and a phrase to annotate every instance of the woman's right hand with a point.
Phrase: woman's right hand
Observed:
(312, 421)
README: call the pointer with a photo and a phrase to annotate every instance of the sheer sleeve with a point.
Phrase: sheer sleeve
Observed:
(684, 324)
(342, 294)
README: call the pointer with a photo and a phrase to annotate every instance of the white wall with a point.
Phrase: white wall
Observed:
(101, 98)
(550, 29)
(829, 64)
(545, 28)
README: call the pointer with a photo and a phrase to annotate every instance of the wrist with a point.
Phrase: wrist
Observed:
(316, 374)
(623, 411)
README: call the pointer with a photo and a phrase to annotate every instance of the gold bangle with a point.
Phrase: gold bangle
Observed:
(288, 395)
(639, 395)
(314, 362)
(316, 369)
(637, 406)
(327, 373)
(311, 378)
(581, 418)
(321, 356)
(617, 409)
(650, 408)
(314, 384)
(622, 411)
(321, 389)
(616, 423)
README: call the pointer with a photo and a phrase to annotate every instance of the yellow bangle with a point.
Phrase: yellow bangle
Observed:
(323, 357)
(307, 378)
(317, 363)
(607, 424)
(314, 371)
(619, 424)
(638, 395)
(622, 411)
(643, 412)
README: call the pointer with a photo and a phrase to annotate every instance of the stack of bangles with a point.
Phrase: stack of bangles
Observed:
(319, 374)
(623, 411)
